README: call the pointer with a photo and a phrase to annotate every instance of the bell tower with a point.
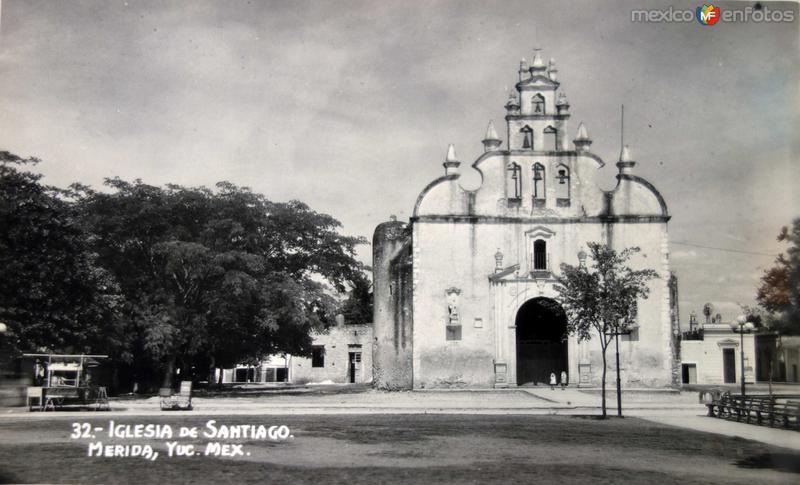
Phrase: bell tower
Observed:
(536, 111)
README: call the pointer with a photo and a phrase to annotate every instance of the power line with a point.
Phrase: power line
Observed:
(741, 251)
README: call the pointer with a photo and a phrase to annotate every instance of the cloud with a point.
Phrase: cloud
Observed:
(350, 106)
(684, 254)
(728, 309)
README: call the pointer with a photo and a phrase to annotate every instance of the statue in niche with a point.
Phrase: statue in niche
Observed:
(453, 317)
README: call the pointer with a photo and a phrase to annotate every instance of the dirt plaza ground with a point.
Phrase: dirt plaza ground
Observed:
(401, 448)
(351, 435)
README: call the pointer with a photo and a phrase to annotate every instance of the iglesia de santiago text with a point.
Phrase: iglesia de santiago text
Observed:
(464, 292)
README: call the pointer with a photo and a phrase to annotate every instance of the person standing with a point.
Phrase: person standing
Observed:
(552, 381)
(563, 379)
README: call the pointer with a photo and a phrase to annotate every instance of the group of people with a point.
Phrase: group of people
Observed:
(554, 383)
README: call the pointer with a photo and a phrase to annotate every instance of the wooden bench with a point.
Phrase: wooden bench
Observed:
(759, 408)
(754, 407)
(720, 407)
(740, 406)
(182, 400)
(787, 413)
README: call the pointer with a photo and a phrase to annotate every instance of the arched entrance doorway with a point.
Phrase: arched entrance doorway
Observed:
(541, 344)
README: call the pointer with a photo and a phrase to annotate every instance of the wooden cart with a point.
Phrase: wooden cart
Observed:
(66, 380)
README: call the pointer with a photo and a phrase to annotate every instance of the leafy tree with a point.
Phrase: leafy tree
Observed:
(778, 296)
(357, 308)
(779, 292)
(216, 277)
(601, 299)
(53, 294)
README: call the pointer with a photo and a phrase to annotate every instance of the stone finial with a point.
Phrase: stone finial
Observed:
(512, 104)
(583, 133)
(523, 69)
(491, 133)
(625, 154)
(537, 64)
(491, 141)
(498, 261)
(450, 162)
(451, 154)
(625, 163)
(582, 141)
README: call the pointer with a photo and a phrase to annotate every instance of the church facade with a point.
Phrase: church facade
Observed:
(465, 291)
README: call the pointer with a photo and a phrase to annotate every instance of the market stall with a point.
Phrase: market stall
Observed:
(65, 380)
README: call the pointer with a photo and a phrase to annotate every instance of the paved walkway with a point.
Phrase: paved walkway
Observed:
(671, 408)
(773, 436)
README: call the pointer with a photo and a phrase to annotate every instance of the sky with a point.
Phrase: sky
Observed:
(349, 106)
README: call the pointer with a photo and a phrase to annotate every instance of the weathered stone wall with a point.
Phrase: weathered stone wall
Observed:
(676, 330)
(392, 293)
(457, 254)
(338, 341)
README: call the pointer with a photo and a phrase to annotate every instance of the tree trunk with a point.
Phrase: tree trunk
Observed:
(212, 368)
(603, 393)
(167, 382)
(114, 387)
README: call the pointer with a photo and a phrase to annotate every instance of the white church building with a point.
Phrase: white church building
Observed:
(465, 291)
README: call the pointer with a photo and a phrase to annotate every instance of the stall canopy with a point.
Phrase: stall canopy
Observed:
(65, 370)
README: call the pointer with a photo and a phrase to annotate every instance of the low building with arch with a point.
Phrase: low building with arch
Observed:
(465, 291)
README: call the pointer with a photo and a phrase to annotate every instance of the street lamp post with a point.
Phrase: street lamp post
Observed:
(742, 326)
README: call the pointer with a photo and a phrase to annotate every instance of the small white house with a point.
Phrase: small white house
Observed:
(713, 355)
(274, 368)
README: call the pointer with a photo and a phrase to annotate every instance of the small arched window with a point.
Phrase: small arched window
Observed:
(514, 181)
(539, 255)
(527, 137)
(538, 104)
(550, 138)
(538, 185)
(562, 186)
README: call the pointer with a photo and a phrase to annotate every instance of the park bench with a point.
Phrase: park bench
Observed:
(720, 406)
(753, 407)
(782, 409)
(182, 400)
(740, 407)
(761, 407)
(787, 413)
